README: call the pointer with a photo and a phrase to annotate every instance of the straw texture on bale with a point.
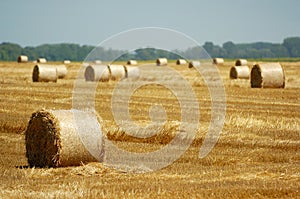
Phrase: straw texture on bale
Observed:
(180, 62)
(22, 59)
(117, 72)
(132, 62)
(132, 72)
(52, 140)
(218, 61)
(97, 73)
(162, 62)
(268, 75)
(239, 72)
(193, 64)
(66, 61)
(61, 71)
(44, 73)
(41, 60)
(241, 62)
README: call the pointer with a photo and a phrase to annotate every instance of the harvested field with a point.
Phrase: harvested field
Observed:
(257, 154)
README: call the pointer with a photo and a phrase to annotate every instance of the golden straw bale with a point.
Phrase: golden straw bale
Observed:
(218, 61)
(44, 73)
(117, 72)
(162, 62)
(241, 62)
(41, 60)
(66, 61)
(132, 72)
(97, 73)
(132, 62)
(97, 62)
(181, 61)
(267, 75)
(239, 72)
(52, 139)
(61, 71)
(193, 64)
(22, 59)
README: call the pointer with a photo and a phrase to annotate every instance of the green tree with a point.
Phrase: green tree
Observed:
(292, 45)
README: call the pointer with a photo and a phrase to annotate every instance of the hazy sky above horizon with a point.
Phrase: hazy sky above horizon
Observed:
(35, 22)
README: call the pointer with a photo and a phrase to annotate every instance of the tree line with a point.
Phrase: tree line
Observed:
(290, 48)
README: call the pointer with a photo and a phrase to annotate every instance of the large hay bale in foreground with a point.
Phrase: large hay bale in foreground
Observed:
(97, 73)
(117, 72)
(239, 72)
(44, 73)
(193, 64)
(132, 62)
(41, 60)
(22, 59)
(218, 61)
(268, 75)
(181, 61)
(241, 62)
(52, 139)
(132, 72)
(61, 71)
(162, 62)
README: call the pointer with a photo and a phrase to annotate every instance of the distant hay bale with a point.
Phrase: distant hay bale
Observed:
(41, 60)
(193, 64)
(239, 72)
(66, 61)
(131, 62)
(97, 73)
(218, 61)
(268, 75)
(181, 61)
(52, 140)
(44, 73)
(117, 72)
(132, 72)
(241, 62)
(162, 62)
(61, 71)
(22, 59)
(98, 62)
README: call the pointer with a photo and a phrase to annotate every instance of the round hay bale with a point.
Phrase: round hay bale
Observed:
(98, 62)
(181, 61)
(97, 73)
(22, 59)
(193, 64)
(241, 62)
(268, 75)
(239, 72)
(162, 62)
(218, 61)
(117, 72)
(52, 140)
(61, 71)
(131, 62)
(66, 61)
(44, 73)
(132, 72)
(41, 60)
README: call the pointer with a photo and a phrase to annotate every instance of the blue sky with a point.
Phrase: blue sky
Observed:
(35, 22)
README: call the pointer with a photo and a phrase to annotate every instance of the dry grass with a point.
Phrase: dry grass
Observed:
(257, 155)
